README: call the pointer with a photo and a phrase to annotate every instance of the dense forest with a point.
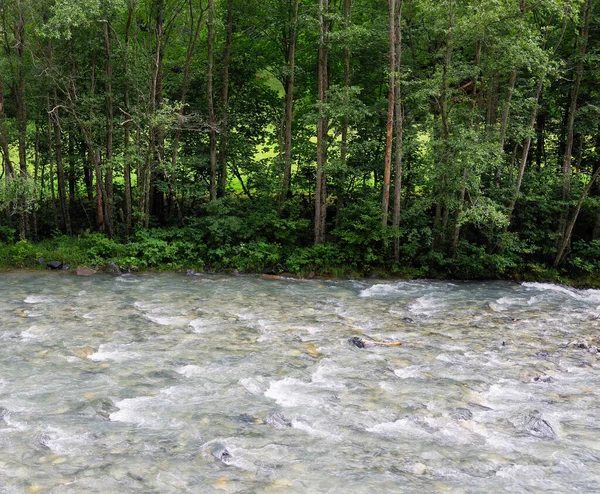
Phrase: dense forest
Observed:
(418, 137)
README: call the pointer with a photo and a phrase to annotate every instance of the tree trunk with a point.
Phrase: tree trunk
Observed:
(289, 105)
(385, 199)
(525, 155)
(109, 205)
(4, 148)
(19, 32)
(225, 100)
(398, 129)
(566, 166)
(439, 230)
(127, 124)
(566, 238)
(210, 102)
(62, 191)
(323, 124)
(196, 26)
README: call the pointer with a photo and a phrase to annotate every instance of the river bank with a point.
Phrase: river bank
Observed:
(96, 253)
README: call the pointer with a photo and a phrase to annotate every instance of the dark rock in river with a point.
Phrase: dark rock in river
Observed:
(408, 320)
(112, 268)
(54, 264)
(543, 379)
(357, 342)
(462, 414)
(535, 425)
(219, 451)
(278, 421)
(542, 354)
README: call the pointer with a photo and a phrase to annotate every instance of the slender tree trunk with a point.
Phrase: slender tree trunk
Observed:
(62, 191)
(19, 32)
(439, 231)
(196, 25)
(156, 198)
(322, 126)
(385, 200)
(4, 148)
(127, 124)
(289, 105)
(71, 167)
(525, 155)
(398, 130)
(225, 100)
(109, 205)
(566, 238)
(210, 102)
(566, 166)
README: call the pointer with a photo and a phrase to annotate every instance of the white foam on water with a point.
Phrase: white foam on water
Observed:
(130, 410)
(291, 392)
(588, 295)
(34, 332)
(326, 373)
(426, 305)
(116, 355)
(37, 299)
(253, 386)
(65, 443)
(380, 290)
(402, 427)
(190, 370)
(167, 320)
(410, 372)
(303, 426)
(201, 326)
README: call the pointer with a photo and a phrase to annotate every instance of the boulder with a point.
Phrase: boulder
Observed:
(112, 268)
(535, 425)
(83, 271)
(54, 264)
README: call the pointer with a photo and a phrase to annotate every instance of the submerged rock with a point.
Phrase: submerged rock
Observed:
(543, 379)
(219, 451)
(536, 426)
(104, 407)
(54, 264)
(462, 414)
(408, 319)
(84, 271)
(278, 421)
(542, 354)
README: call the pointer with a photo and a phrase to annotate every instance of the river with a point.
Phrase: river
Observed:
(166, 383)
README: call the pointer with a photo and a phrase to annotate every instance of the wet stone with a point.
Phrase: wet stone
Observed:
(462, 414)
(543, 379)
(278, 421)
(542, 354)
(408, 319)
(112, 268)
(535, 425)
(357, 342)
(220, 452)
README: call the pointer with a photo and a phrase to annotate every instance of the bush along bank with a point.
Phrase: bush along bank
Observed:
(185, 249)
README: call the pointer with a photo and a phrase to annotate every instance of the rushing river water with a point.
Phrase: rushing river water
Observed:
(172, 383)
